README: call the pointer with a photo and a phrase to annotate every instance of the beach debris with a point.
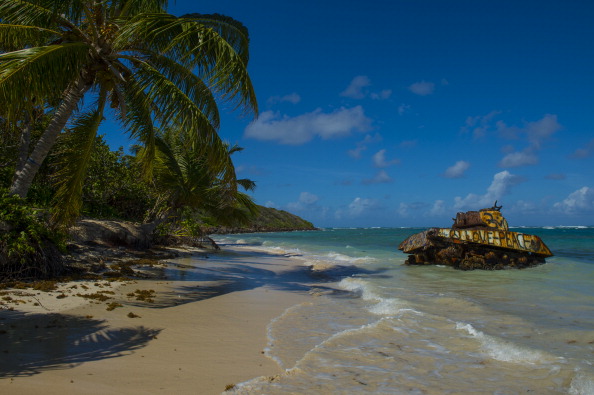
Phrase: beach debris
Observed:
(113, 305)
(477, 240)
(145, 295)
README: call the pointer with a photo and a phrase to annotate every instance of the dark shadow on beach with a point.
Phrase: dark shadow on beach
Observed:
(233, 272)
(31, 343)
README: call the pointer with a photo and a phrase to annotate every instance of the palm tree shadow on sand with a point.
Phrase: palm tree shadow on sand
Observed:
(219, 277)
(32, 343)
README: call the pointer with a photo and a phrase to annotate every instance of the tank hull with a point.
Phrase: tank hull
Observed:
(468, 249)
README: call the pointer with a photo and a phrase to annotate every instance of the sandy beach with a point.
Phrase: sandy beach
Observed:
(195, 332)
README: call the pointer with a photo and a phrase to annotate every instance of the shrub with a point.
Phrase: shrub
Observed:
(29, 248)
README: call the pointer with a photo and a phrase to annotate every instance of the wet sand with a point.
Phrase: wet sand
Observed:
(198, 334)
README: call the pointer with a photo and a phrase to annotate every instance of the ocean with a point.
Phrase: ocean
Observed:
(375, 325)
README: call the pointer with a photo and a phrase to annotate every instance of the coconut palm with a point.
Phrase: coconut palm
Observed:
(152, 68)
(185, 177)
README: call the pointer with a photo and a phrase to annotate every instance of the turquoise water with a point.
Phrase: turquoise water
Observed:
(390, 328)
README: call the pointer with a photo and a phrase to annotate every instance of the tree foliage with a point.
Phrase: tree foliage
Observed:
(151, 67)
(28, 247)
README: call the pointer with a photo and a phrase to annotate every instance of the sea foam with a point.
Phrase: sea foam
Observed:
(502, 350)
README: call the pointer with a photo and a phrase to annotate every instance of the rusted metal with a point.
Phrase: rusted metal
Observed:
(477, 239)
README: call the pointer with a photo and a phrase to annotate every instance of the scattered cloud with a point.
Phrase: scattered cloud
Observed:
(379, 160)
(306, 201)
(438, 209)
(292, 98)
(362, 145)
(403, 109)
(500, 186)
(519, 158)
(585, 152)
(404, 209)
(534, 132)
(380, 178)
(479, 125)
(457, 170)
(360, 206)
(422, 88)
(579, 201)
(555, 176)
(381, 95)
(358, 89)
(269, 204)
(271, 126)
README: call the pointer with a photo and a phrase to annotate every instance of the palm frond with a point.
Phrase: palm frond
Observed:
(175, 107)
(40, 72)
(127, 8)
(74, 162)
(42, 13)
(15, 37)
(231, 30)
(138, 122)
(190, 84)
(197, 47)
(247, 184)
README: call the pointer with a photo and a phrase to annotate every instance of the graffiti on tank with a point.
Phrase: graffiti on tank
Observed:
(494, 220)
(496, 238)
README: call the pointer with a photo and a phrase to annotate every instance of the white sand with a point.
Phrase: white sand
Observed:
(197, 336)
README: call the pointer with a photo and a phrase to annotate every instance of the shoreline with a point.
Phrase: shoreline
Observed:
(201, 333)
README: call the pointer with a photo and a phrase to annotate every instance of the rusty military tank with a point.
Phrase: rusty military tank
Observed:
(477, 240)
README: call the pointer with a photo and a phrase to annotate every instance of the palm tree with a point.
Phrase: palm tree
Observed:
(186, 176)
(152, 68)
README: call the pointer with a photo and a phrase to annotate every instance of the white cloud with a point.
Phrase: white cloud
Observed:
(520, 158)
(438, 209)
(292, 98)
(379, 159)
(457, 170)
(500, 186)
(380, 178)
(356, 89)
(578, 201)
(359, 206)
(306, 201)
(422, 88)
(271, 126)
(269, 204)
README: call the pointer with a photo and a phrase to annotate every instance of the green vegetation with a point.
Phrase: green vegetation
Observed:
(28, 248)
(153, 69)
(268, 220)
(62, 62)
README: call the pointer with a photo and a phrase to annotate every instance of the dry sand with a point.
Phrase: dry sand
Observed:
(200, 333)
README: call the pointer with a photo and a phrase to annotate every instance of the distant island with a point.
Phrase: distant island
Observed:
(268, 219)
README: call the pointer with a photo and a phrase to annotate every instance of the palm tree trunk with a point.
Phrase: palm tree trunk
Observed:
(24, 176)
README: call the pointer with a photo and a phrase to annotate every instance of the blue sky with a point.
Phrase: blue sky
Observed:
(402, 113)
